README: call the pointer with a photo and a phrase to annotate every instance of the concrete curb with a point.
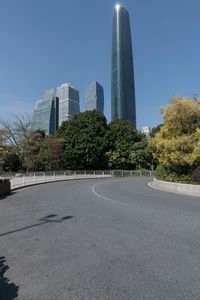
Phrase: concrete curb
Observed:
(177, 188)
(58, 180)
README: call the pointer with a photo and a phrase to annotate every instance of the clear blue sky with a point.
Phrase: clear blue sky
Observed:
(45, 43)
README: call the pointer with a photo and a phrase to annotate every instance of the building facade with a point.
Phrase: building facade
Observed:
(122, 81)
(45, 116)
(69, 104)
(94, 97)
(146, 130)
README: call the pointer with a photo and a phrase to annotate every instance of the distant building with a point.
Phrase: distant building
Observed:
(146, 130)
(94, 97)
(122, 82)
(45, 116)
(68, 102)
(49, 94)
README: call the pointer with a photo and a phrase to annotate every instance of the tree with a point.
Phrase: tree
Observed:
(14, 134)
(140, 153)
(55, 152)
(85, 142)
(177, 144)
(121, 136)
(17, 130)
(11, 161)
(155, 129)
(36, 152)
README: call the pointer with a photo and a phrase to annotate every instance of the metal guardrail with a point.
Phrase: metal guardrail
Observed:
(131, 173)
(29, 178)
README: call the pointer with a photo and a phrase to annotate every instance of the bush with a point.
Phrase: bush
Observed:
(160, 172)
(196, 175)
(165, 174)
(2, 179)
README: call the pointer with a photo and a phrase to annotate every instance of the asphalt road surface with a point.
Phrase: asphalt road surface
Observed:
(99, 239)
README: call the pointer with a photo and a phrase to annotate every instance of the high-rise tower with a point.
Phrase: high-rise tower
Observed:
(68, 102)
(122, 83)
(94, 97)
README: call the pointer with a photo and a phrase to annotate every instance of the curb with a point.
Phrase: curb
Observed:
(156, 186)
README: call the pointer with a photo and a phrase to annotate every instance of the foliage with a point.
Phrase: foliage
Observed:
(154, 130)
(177, 144)
(15, 131)
(140, 153)
(196, 175)
(36, 152)
(55, 152)
(162, 173)
(13, 137)
(11, 161)
(84, 138)
(120, 136)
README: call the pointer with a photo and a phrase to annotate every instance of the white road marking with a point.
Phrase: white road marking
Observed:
(109, 199)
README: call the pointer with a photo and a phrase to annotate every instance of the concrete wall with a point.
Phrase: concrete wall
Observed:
(187, 189)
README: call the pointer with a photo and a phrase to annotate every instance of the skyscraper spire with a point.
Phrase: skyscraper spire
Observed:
(122, 83)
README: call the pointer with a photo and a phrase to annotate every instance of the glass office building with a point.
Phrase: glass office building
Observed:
(49, 94)
(94, 97)
(45, 116)
(68, 102)
(122, 82)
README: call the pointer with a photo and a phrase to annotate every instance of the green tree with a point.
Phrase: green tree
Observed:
(121, 137)
(154, 130)
(85, 142)
(140, 153)
(11, 161)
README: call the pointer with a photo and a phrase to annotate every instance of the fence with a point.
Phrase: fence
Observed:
(29, 178)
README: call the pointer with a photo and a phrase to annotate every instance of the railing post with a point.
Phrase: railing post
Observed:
(34, 177)
(23, 179)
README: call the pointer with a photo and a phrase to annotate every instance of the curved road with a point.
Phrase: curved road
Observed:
(99, 239)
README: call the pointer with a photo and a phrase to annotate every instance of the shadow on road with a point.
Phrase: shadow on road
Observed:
(8, 290)
(47, 219)
(4, 196)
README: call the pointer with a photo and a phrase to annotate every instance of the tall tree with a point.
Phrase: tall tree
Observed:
(85, 143)
(121, 136)
(55, 152)
(36, 152)
(177, 144)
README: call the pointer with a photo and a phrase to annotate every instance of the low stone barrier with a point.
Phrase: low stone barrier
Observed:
(187, 189)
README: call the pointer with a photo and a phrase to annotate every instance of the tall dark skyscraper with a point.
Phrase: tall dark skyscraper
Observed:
(122, 83)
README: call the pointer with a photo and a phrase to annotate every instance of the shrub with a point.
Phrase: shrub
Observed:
(2, 179)
(163, 173)
(196, 175)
